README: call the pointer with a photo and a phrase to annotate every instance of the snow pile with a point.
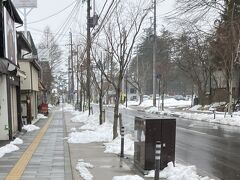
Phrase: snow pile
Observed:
(17, 141)
(195, 108)
(8, 149)
(102, 133)
(81, 116)
(220, 119)
(208, 117)
(30, 127)
(127, 177)
(92, 122)
(82, 167)
(41, 116)
(133, 103)
(179, 172)
(73, 129)
(170, 102)
(152, 110)
(115, 145)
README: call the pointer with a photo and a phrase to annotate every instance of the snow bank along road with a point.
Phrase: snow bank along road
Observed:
(213, 148)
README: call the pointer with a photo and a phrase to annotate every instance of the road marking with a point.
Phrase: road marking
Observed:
(18, 169)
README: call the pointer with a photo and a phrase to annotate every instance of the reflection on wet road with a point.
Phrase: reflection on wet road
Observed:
(213, 148)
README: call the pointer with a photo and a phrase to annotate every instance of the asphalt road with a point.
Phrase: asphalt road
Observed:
(214, 149)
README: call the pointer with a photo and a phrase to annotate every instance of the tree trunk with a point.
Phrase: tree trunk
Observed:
(141, 98)
(100, 108)
(116, 111)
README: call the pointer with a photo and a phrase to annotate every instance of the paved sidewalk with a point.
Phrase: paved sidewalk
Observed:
(55, 159)
(50, 161)
(106, 165)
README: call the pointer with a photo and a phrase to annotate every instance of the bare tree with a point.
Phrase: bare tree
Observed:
(99, 81)
(121, 34)
(226, 49)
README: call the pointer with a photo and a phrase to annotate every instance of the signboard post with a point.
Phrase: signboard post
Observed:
(25, 3)
(27, 6)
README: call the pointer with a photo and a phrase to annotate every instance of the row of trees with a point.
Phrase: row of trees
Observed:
(189, 57)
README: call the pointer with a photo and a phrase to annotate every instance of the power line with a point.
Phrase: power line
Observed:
(62, 10)
(63, 27)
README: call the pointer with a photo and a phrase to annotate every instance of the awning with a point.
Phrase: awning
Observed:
(22, 42)
(12, 11)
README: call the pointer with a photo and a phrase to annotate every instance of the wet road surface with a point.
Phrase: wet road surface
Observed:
(214, 149)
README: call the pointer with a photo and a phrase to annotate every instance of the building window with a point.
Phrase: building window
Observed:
(132, 91)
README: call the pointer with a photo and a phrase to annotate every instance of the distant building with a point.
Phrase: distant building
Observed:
(10, 107)
(31, 86)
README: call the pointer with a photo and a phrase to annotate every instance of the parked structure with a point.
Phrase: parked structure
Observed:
(10, 108)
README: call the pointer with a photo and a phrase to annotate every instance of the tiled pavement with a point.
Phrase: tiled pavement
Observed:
(55, 159)
(49, 161)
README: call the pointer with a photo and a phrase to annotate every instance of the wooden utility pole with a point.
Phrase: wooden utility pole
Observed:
(78, 63)
(88, 55)
(72, 72)
(154, 55)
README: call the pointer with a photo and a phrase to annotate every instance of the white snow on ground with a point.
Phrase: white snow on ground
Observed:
(8, 149)
(41, 116)
(194, 108)
(133, 103)
(127, 177)
(73, 129)
(179, 172)
(30, 127)
(102, 133)
(170, 102)
(82, 167)
(220, 119)
(17, 141)
(115, 145)
(81, 116)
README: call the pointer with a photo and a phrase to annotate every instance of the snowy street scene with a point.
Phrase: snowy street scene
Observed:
(119, 90)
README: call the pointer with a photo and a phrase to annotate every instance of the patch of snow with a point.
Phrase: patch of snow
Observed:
(127, 177)
(81, 117)
(41, 116)
(73, 129)
(30, 127)
(115, 145)
(102, 133)
(82, 167)
(17, 141)
(179, 172)
(169, 102)
(195, 108)
(8, 149)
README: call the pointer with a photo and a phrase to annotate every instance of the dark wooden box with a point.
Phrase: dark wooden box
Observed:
(148, 130)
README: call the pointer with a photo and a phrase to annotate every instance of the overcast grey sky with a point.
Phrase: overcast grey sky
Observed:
(49, 7)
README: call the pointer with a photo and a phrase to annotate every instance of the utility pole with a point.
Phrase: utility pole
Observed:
(88, 55)
(77, 78)
(72, 72)
(69, 82)
(81, 88)
(91, 23)
(154, 55)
